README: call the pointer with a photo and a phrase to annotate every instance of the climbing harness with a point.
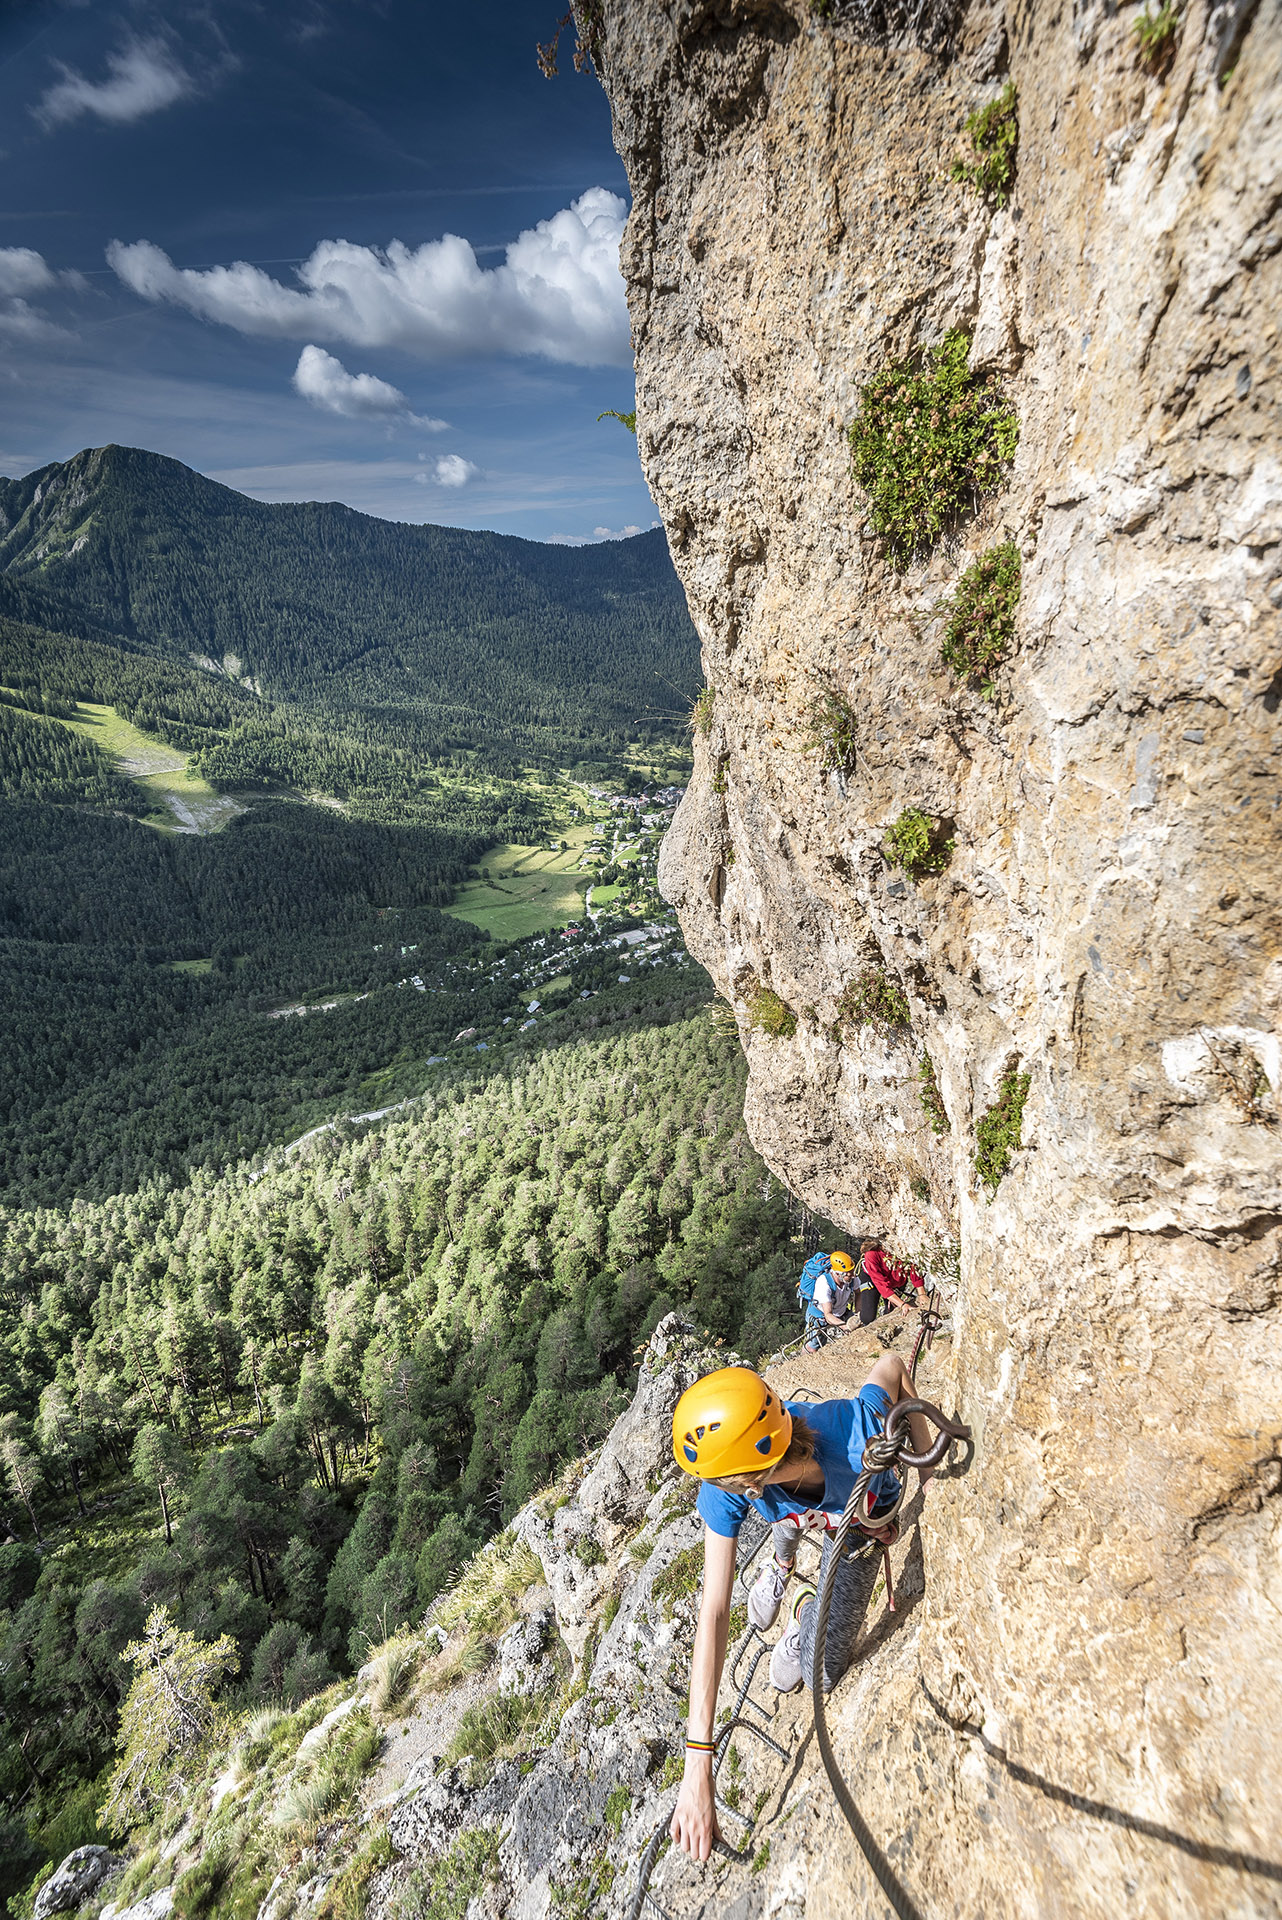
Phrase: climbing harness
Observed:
(883, 1452)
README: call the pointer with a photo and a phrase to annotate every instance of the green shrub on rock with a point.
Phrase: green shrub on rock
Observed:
(913, 844)
(997, 1134)
(993, 132)
(1155, 34)
(981, 616)
(929, 440)
(873, 999)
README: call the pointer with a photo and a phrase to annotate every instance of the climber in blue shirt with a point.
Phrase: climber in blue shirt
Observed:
(794, 1463)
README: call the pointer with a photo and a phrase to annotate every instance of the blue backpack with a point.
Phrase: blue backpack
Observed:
(818, 1263)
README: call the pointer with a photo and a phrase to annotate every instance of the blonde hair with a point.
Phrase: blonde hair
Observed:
(801, 1451)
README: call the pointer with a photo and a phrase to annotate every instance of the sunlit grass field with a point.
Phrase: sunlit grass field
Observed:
(181, 801)
(529, 888)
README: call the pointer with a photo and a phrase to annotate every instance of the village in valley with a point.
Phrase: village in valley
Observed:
(574, 917)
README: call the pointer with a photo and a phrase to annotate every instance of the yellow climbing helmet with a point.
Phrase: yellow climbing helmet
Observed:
(841, 1263)
(729, 1422)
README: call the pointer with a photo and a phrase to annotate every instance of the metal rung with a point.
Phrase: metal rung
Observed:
(748, 1726)
(753, 1633)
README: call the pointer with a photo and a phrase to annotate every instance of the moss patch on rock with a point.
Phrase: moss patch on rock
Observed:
(771, 1015)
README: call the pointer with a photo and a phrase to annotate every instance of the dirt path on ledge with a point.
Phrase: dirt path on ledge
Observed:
(839, 1369)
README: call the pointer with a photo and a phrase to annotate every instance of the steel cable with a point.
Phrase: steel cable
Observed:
(883, 1451)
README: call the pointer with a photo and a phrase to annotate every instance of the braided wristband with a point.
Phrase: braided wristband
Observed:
(701, 1746)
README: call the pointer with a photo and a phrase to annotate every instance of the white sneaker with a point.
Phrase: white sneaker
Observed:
(766, 1595)
(785, 1661)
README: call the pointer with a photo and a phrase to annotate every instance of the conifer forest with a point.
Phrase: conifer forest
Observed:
(330, 1222)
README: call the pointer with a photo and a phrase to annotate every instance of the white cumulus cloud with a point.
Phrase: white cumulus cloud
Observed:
(615, 533)
(451, 470)
(142, 78)
(558, 293)
(325, 381)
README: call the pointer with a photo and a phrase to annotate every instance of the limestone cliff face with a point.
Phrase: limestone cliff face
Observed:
(1098, 1721)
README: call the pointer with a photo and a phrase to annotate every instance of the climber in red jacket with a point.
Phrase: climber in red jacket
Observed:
(881, 1279)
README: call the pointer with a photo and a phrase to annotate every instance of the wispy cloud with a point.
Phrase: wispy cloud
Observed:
(22, 272)
(142, 78)
(597, 535)
(558, 293)
(326, 383)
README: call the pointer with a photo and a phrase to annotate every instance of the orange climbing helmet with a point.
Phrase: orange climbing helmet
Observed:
(729, 1422)
(841, 1263)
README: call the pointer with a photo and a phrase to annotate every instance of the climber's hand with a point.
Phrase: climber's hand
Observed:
(694, 1821)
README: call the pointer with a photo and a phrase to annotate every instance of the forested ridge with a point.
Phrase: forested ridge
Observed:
(358, 824)
(471, 639)
(288, 1399)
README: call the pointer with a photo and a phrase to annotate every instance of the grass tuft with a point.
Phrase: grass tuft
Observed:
(981, 616)
(932, 1100)
(444, 1888)
(679, 1579)
(830, 732)
(1155, 35)
(498, 1725)
(771, 1015)
(993, 132)
(997, 1135)
(701, 711)
(347, 1897)
(929, 440)
(395, 1668)
(485, 1597)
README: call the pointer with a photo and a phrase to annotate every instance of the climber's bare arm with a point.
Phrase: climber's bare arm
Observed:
(891, 1375)
(694, 1823)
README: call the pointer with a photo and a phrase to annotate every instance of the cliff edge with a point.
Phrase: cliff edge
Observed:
(1003, 944)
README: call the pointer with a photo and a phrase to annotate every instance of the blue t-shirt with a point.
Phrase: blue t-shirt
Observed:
(841, 1429)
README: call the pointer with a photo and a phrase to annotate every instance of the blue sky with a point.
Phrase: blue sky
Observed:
(225, 235)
